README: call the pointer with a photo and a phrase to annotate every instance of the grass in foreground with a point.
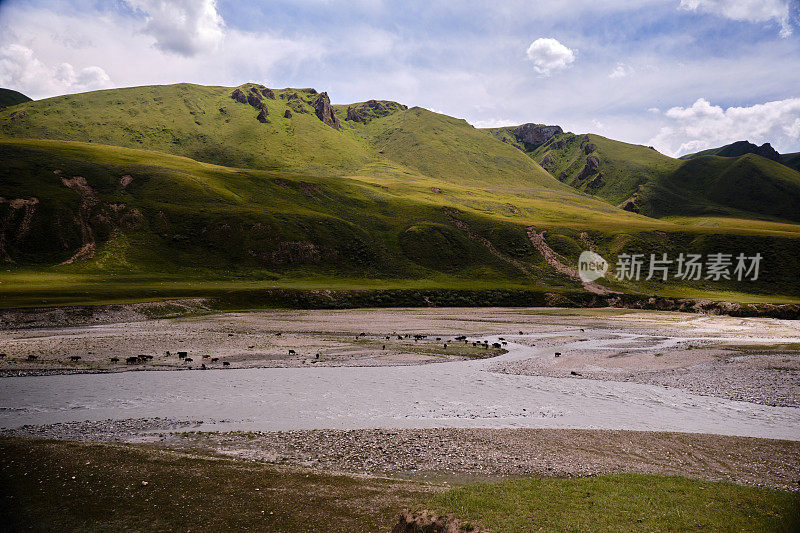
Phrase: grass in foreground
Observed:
(71, 486)
(624, 502)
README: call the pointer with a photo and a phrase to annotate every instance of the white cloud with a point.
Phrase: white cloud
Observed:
(620, 71)
(494, 123)
(703, 125)
(653, 110)
(21, 69)
(746, 10)
(183, 27)
(549, 55)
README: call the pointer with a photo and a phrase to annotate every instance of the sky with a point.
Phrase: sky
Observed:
(679, 75)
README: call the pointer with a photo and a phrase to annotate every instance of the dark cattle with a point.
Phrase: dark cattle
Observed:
(384, 347)
(214, 359)
(291, 352)
(226, 363)
(558, 354)
(203, 366)
(474, 344)
(573, 373)
(316, 356)
(461, 338)
(2, 355)
(230, 334)
(167, 353)
(33, 357)
(387, 338)
(206, 356)
(251, 347)
(363, 335)
(188, 359)
(182, 354)
(131, 360)
(438, 338)
(399, 338)
(445, 346)
(520, 333)
(115, 359)
(504, 343)
(501, 338)
(75, 358)
(495, 345)
(278, 334)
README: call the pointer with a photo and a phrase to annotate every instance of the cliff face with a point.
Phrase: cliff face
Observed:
(324, 111)
(535, 134)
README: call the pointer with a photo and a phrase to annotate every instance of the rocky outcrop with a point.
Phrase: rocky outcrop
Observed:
(547, 161)
(630, 206)
(591, 167)
(239, 96)
(596, 183)
(324, 111)
(254, 100)
(268, 93)
(766, 150)
(263, 114)
(371, 109)
(535, 134)
(287, 114)
(354, 116)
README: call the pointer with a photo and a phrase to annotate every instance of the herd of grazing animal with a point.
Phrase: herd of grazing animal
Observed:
(184, 356)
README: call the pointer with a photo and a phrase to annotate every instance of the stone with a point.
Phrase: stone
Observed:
(324, 111)
(239, 96)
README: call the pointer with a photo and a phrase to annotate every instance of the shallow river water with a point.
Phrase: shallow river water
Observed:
(454, 394)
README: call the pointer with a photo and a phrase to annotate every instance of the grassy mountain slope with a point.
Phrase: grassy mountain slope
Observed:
(640, 179)
(195, 121)
(609, 169)
(737, 149)
(451, 150)
(377, 196)
(748, 185)
(160, 221)
(791, 160)
(9, 97)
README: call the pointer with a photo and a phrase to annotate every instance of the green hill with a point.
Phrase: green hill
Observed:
(737, 149)
(609, 169)
(181, 190)
(9, 97)
(791, 160)
(746, 186)
(204, 123)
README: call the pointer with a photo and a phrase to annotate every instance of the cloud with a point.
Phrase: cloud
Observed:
(703, 125)
(620, 71)
(21, 69)
(746, 10)
(183, 27)
(549, 55)
(653, 110)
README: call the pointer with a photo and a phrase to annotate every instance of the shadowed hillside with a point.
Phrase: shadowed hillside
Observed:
(9, 97)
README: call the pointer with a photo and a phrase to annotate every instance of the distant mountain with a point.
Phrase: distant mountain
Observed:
(9, 97)
(739, 148)
(738, 181)
(748, 186)
(791, 160)
(612, 170)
